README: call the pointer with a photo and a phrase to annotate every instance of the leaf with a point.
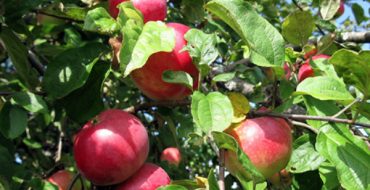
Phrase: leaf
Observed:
(354, 68)
(324, 88)
(202, 48)
(350, 158)
(86, 102)
(359, 13)
(13, 121)
(6, 162)
(99, 20)
(155, 37)
(178, 77)
(212, 181)
(304, 157)
(32, 143)
(172, 187)
(68, 11)
(70, 69)
(213, 112)
(328, 175)
(225, 141)
(240, 106)
(328, 8)
(294, 31)
(265, 42)
(31, 102)
(18, 53)
(224, 77)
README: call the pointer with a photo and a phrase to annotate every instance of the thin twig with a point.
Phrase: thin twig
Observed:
(35, 62)
(148, 105)
(304, 125)
(221, 170)
(70, 186)
(308, 117)
(6, 93)
(346, 108)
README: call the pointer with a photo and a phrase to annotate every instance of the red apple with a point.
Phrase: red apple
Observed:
(267, 141)
(340, 10)
(111, 147)
(149, 78)
(172, 155)
(306, 70)
(62, 179)
(149, 177)
(152, 10)
(310, 53)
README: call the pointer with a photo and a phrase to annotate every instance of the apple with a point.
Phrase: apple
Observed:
(172, 155)
(281, 178)
(267, 141)
(152, 10)
(306, 70)
(340, 10)
(111, 147)
(311, 53)
(149, 78)
(62, 179)
(149, 177)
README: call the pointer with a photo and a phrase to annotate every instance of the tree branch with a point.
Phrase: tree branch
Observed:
(221, 169)
(357, 37)
(148, 105)
(35, 62)
(304, 125)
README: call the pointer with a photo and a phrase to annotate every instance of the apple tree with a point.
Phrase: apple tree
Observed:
(184, 94)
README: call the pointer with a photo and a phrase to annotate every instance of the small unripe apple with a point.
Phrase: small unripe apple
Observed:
(111, 147)
(149, 78)
(62, 179)
(152, 10)
(306, 70)
(267, 141)
(149, 177)
(172, 155)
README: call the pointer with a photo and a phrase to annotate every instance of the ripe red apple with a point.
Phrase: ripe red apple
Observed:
(62, 179)
(340, 10)
(172, 155)
(149, 78)
(311, 53)
(111, 147)
(306, 70)
(149, 177)
(267, 141)
(152, 10)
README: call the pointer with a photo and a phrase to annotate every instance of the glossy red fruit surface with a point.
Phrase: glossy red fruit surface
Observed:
(266, 140)
(149, 177)
(152, 10)
(306, 70)
(62, 179)
(172, 155)
(111, 147)
(311, 53)
(149, 78)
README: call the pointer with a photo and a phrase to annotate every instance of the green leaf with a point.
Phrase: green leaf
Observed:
(324, 88)
(31, 102)
(265, 42)
(131, 22)
(85, 102)
(354, 68)
(195, 7)
(6, 162)
(155, 37)
(328, 8)
(13, 121)
(322, 64)
(99, 20)
(224, 77)
(225, 141)
(68, 11)
(294, 31)
(349, 156)
(18, 53)
(172, 187)
(70, 69)
(202, 48)
(359, 13)
(213, 112)
(32, 143)
(304, 157)
(212, 181)
(178, 77)
(328, 175)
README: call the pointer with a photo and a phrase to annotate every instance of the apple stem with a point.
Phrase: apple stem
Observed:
(346, 108)
(304, 125)
(221, 170)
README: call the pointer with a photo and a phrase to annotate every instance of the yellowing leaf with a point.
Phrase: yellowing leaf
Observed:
(240, 106)
(201, 181)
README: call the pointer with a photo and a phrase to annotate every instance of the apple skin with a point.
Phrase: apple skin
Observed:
(311, 53)
(267, 141)
(172, 155)
(340, 10)
(149, 78)
(62, 179)
(152, 10)
(111, 147)
(149, 177)
(306, 70)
